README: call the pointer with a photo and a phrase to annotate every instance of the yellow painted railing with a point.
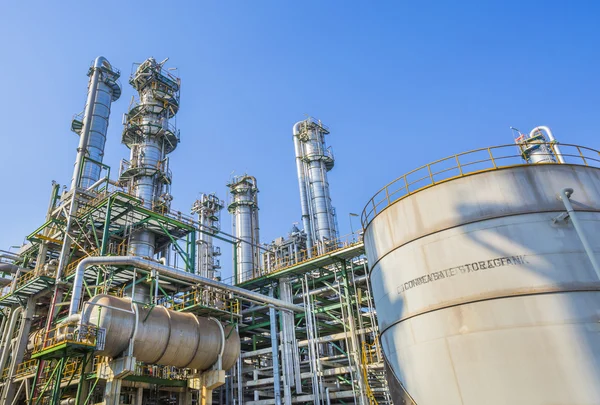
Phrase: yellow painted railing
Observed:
(25, 278)
(303, 256)
(27, 368)
(204, 297)
(73, 265)
(66, 333)
(163, 372)
(369, 356)
(465, 164)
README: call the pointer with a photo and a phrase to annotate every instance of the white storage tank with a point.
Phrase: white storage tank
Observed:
(484, 292)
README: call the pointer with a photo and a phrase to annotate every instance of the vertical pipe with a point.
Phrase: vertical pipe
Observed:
(275, 352)
(10, 386)
(565, 195)
(306, 218)
(102, 74)
(8, 336)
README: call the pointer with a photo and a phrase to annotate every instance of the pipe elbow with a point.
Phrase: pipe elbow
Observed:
(296, 128)
(102, 62)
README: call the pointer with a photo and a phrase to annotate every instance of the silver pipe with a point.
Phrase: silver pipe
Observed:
(564, 196)
(8, 336)
(275, 354)
(552, 140)
(103, 89)
(149, 265)
(2, 327)
(8, 255)
(100, 181)
(11, 268)
(306, 220)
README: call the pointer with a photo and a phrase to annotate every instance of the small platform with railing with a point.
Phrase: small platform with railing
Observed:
(68, 340)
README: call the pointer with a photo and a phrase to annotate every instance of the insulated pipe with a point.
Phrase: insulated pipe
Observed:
(149, 265)
(8, 336)
(564, 196)
(552, 140)
(8, 255)
(306, 220)
(102, 90)
(2, 327)
(275, 353)
(100, 181)
(11, 268)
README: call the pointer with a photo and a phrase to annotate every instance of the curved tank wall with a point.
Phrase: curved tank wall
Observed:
(482, 298)
(163, 336)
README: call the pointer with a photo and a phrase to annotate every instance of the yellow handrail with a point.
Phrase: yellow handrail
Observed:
(73, 265)
(474, 161)
(65, 333)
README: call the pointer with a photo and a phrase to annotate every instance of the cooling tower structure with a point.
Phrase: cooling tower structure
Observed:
(208, 208)
(313, 160)
(92, 124)
(150, 137)
(244, 209)
(485, 276)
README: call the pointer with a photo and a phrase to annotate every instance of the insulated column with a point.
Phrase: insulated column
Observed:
(150, 137)
(244, 208)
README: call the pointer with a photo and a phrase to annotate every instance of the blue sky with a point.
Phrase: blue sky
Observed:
(399, 84)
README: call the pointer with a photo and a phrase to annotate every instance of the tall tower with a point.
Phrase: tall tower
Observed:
(313, 160)
(208, 208)
(91, 125)
(150, 137)
(244, 208)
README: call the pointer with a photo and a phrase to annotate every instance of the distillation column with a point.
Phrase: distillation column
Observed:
(208, 208)
(103, 89)
(244, 208)
(313, 160)
(150, 137)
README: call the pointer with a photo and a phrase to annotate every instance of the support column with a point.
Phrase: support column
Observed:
(10, 386)
(112, 392)
(140, 396)
(206, 383)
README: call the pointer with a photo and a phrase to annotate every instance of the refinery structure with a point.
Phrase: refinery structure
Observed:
(475, 279)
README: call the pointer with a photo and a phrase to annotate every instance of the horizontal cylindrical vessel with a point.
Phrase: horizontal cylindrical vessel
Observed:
(162, 336)
(483, 290)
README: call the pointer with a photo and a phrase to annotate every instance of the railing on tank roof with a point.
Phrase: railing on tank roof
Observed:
(466, 164)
